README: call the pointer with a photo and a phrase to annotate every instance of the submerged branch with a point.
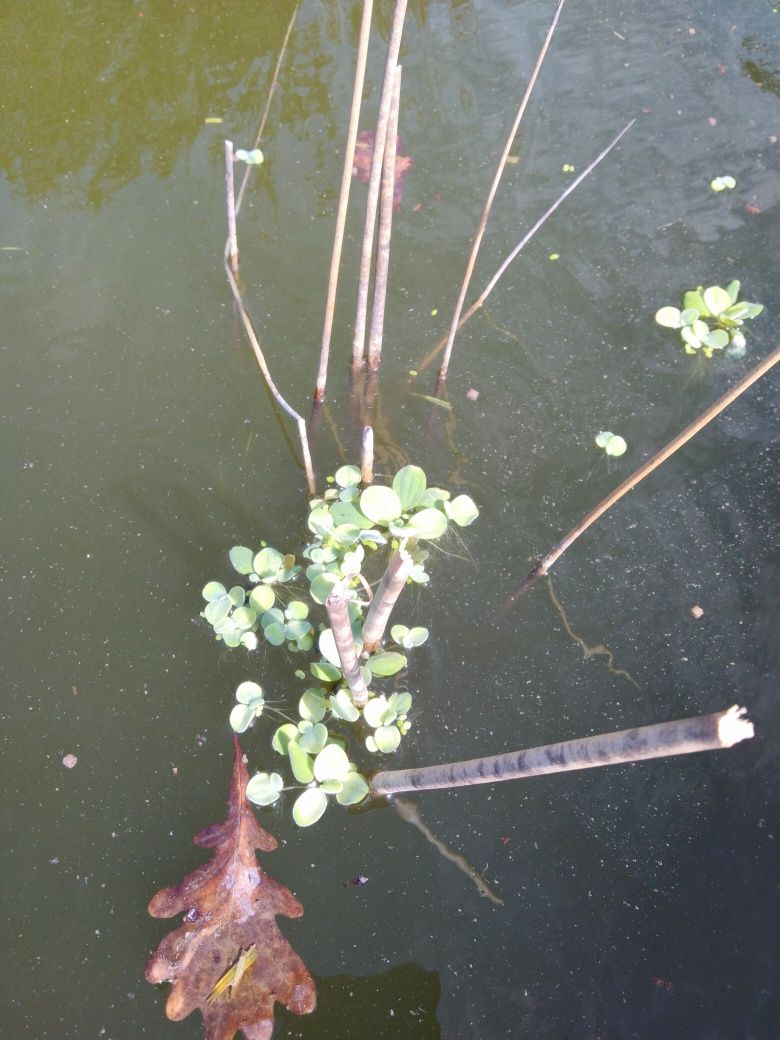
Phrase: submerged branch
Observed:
(683, 737)
(341, 215)
(639, 474)
(492, 194)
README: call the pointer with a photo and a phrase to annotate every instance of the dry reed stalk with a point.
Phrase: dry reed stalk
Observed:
(382, 262)
(393, 48)
(232, 239)
(492, 194)
(288, 408)
(338, 615)
(683, 737)
(479, 302)
(341, 215)
(390, 588)
(639, 474)
(367, 456)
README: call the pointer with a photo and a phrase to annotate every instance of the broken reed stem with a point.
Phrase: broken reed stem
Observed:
(475, 306)
(266, 110)
(393, 47)
(232, 240)
(390, 588)
(382, 263)
(367, 456)
(683, 737)
(338, 615)
(255, 344)
(639, 474)
(492, 194)
(341, 214)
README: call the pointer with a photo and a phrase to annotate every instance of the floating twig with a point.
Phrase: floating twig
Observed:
(685, 736)
(393, 47)
(382, 263)
(232, 239)
(341, 214)
(639, 474)
(492, 194)
(475, 306)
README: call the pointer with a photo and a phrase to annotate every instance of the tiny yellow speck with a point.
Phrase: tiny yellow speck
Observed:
(214, 119)
(412, 371)
(434, 312)
(555, 256)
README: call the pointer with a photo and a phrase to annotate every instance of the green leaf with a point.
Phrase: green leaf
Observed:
(283, 737)
(300, 763)
(372, 537)
(755, 309)
(250, 693)
(387, 663)
(331, 764)
(387, 738)
(690, 337)
(428, 523)
(296, 610)
(380, 504)
(263, 789)
(262, 598)
(348, 513)
(347, 475)
(274, 633)
(353, 790)
(297, 629)
(249, 640)
(415, 637)
(244, 617)
(699, 328)
(717, 339)
(342, 707)
(399, 633)
(716, 299)
(603, 438)
(313, 705)
(689, 315)
(231, 639)
(242, 717)
(346, 535)
(252, 158)
(434, 497)
(692, 300)
(322, 586)
(409, 484)
(375, 712)
(309, 807)
(241, 558)
(327, 645)
(325, 671)
(669, 317)
(320, 521)
(218, 610)
(733, 290)
(616, 446)
(400, 703)
(272, 617)
(267, 562)
(331, 786)
(462, 510)
(237, 596)
(213, 591)
(314, 738)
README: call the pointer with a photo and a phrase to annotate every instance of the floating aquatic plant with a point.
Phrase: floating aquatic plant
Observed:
(711, 319)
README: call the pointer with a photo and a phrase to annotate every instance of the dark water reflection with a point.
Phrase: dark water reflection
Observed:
(139, 444)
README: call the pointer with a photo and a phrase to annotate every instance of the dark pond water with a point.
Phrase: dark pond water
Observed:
(139, 444)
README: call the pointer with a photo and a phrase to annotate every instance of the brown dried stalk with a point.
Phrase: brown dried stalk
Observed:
(341, 215)
(639, 474)
(393, 47)
(703, 733)
(338, 615)
(382, 263)
(492, 194)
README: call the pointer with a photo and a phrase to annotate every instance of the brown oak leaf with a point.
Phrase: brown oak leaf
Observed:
(361, 166)
(230, 906)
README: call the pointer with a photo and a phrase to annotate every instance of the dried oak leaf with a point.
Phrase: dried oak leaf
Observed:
(230, 906)
(361, 165)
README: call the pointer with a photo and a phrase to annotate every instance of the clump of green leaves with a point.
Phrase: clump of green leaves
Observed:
(723, 183)
(352, 527)
(611, 443)
(711, 319)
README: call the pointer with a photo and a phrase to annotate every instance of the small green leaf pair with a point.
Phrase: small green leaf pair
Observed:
(611, 443)
(251, 702)
(388, 718)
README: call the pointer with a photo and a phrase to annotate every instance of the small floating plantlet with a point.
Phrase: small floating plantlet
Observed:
(723, 183)
(612, 443)
(711, 319)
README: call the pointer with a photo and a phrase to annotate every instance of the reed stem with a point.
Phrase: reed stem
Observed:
(390, 587)
(338, 615)
(367, 459)
(232, 239)
(683, 737)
